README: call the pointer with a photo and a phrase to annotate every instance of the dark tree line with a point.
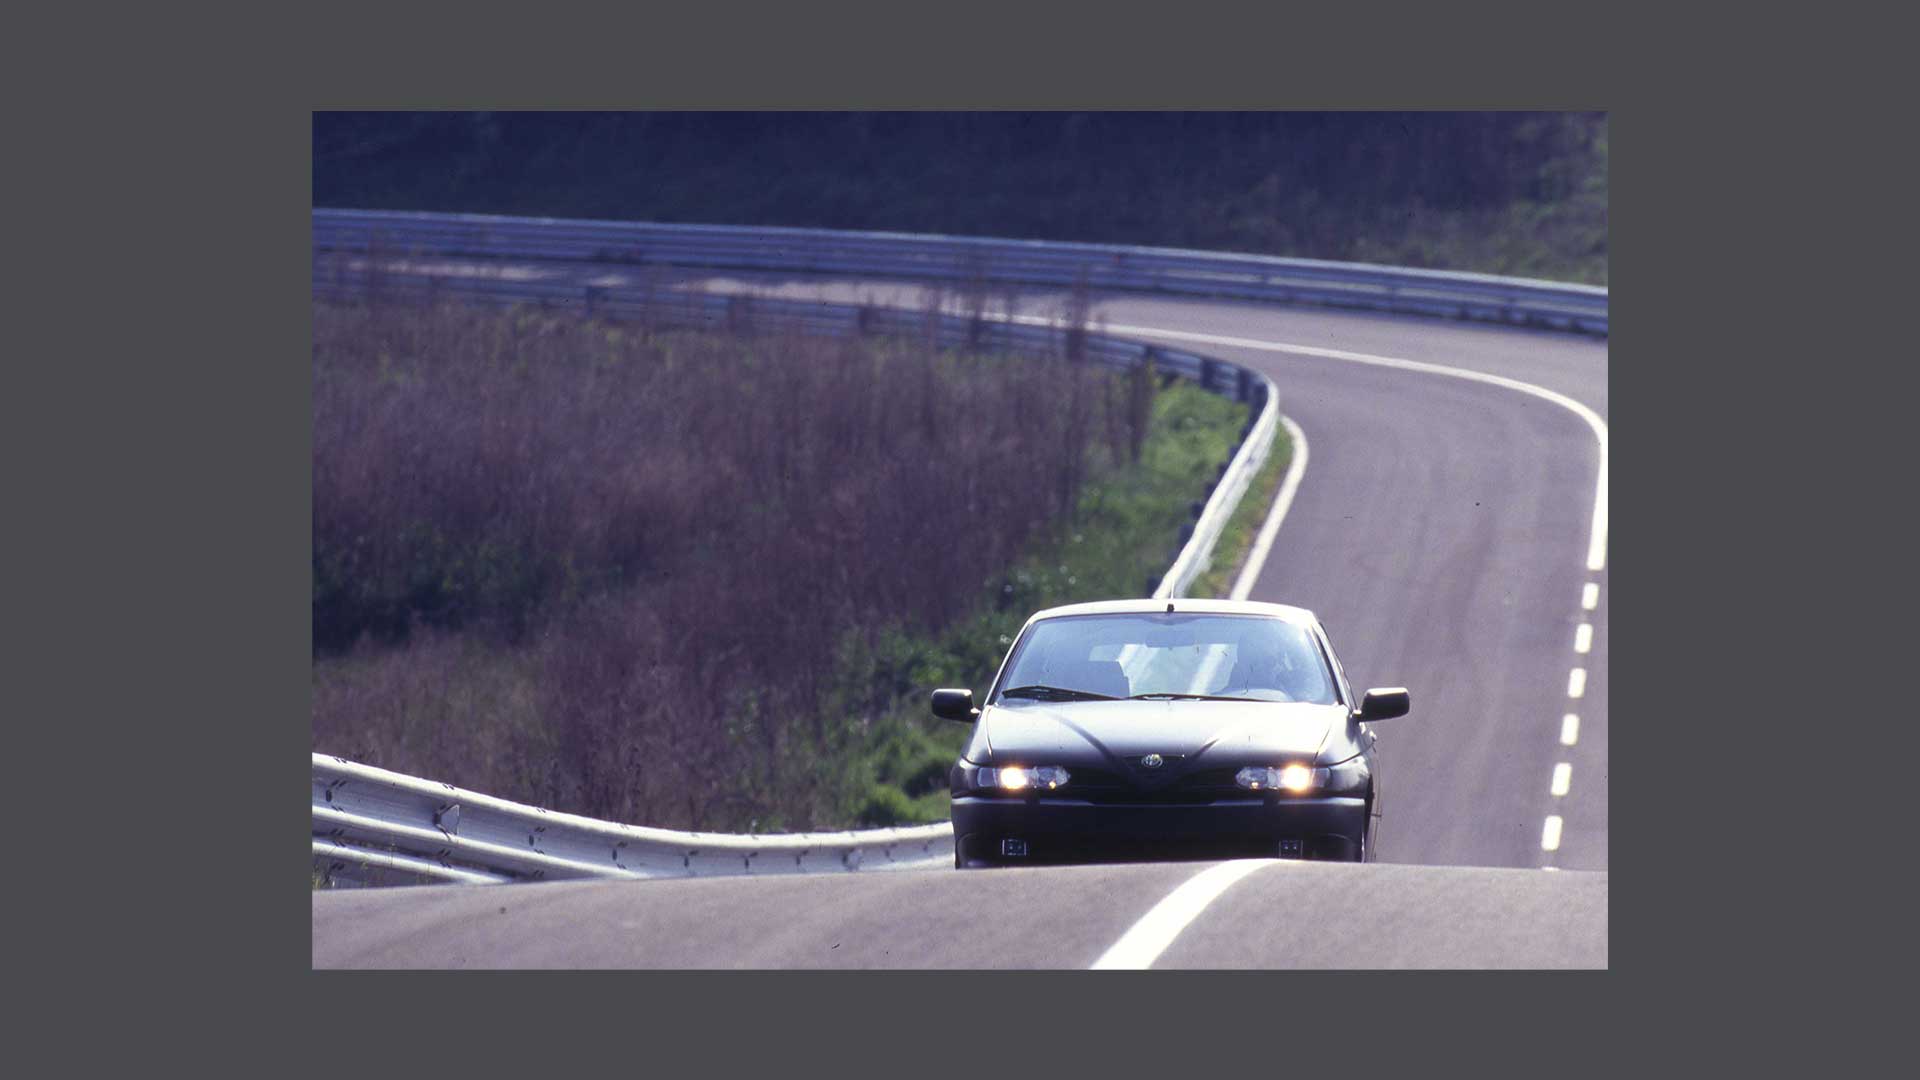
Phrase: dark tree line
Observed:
(1282, 182)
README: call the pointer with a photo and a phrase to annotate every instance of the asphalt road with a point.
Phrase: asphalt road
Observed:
(1441, 531)
(1280, 915)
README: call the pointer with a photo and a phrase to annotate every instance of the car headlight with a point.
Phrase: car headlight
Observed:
(1295, 778)
(1021, 778)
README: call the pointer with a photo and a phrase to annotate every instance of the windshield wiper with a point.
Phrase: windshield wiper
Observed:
(1053, 693)
(1187, 697)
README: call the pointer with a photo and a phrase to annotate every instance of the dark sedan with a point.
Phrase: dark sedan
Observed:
(1158, 728)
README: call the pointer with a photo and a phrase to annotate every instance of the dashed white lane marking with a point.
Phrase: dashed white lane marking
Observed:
(1570, 723)
(1297, 468)
(1140, 946)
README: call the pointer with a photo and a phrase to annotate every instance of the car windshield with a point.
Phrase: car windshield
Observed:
(1119, 656)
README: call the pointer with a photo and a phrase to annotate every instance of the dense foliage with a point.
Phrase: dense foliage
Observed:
(1499, 192)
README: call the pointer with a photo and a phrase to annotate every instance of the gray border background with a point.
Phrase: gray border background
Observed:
(202, 638)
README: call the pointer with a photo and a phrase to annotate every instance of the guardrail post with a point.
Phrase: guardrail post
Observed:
(1246, 385)
(1207, 366)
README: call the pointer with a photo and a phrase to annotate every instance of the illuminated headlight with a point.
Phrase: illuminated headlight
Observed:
(1286, 778)
(1016, 778)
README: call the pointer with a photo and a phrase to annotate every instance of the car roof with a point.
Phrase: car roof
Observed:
(1190, 606)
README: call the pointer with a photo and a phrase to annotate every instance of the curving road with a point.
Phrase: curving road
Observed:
(1443, 530)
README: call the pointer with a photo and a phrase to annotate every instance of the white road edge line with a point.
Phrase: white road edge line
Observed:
(1262, 544)
(1141, 945)
(1597, 538)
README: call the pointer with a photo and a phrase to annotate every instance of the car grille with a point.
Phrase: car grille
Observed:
(1194, 789)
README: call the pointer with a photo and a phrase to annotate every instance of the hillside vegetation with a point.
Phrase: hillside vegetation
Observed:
(1497, 192)
(705, 580)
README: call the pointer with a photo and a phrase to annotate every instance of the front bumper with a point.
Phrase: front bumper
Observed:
(1068, 829)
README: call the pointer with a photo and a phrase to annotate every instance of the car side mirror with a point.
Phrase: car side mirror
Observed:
(1384, 703)
(954, 705)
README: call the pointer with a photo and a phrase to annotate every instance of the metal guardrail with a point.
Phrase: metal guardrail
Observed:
(1513, 301)
(427, 831)
(422, 830)
(990, 331)
(1197, 554)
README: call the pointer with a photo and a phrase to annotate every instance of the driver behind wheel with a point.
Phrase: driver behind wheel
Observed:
(1267, 665)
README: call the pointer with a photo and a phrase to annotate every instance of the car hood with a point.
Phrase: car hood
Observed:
(1105, 732)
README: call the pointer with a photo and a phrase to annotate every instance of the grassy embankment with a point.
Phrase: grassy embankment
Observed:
(699, 581)
(1194, 429)
(1127, 522)
(1236, 540)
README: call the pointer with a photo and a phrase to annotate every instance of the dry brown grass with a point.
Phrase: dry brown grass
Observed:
(606, 570)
